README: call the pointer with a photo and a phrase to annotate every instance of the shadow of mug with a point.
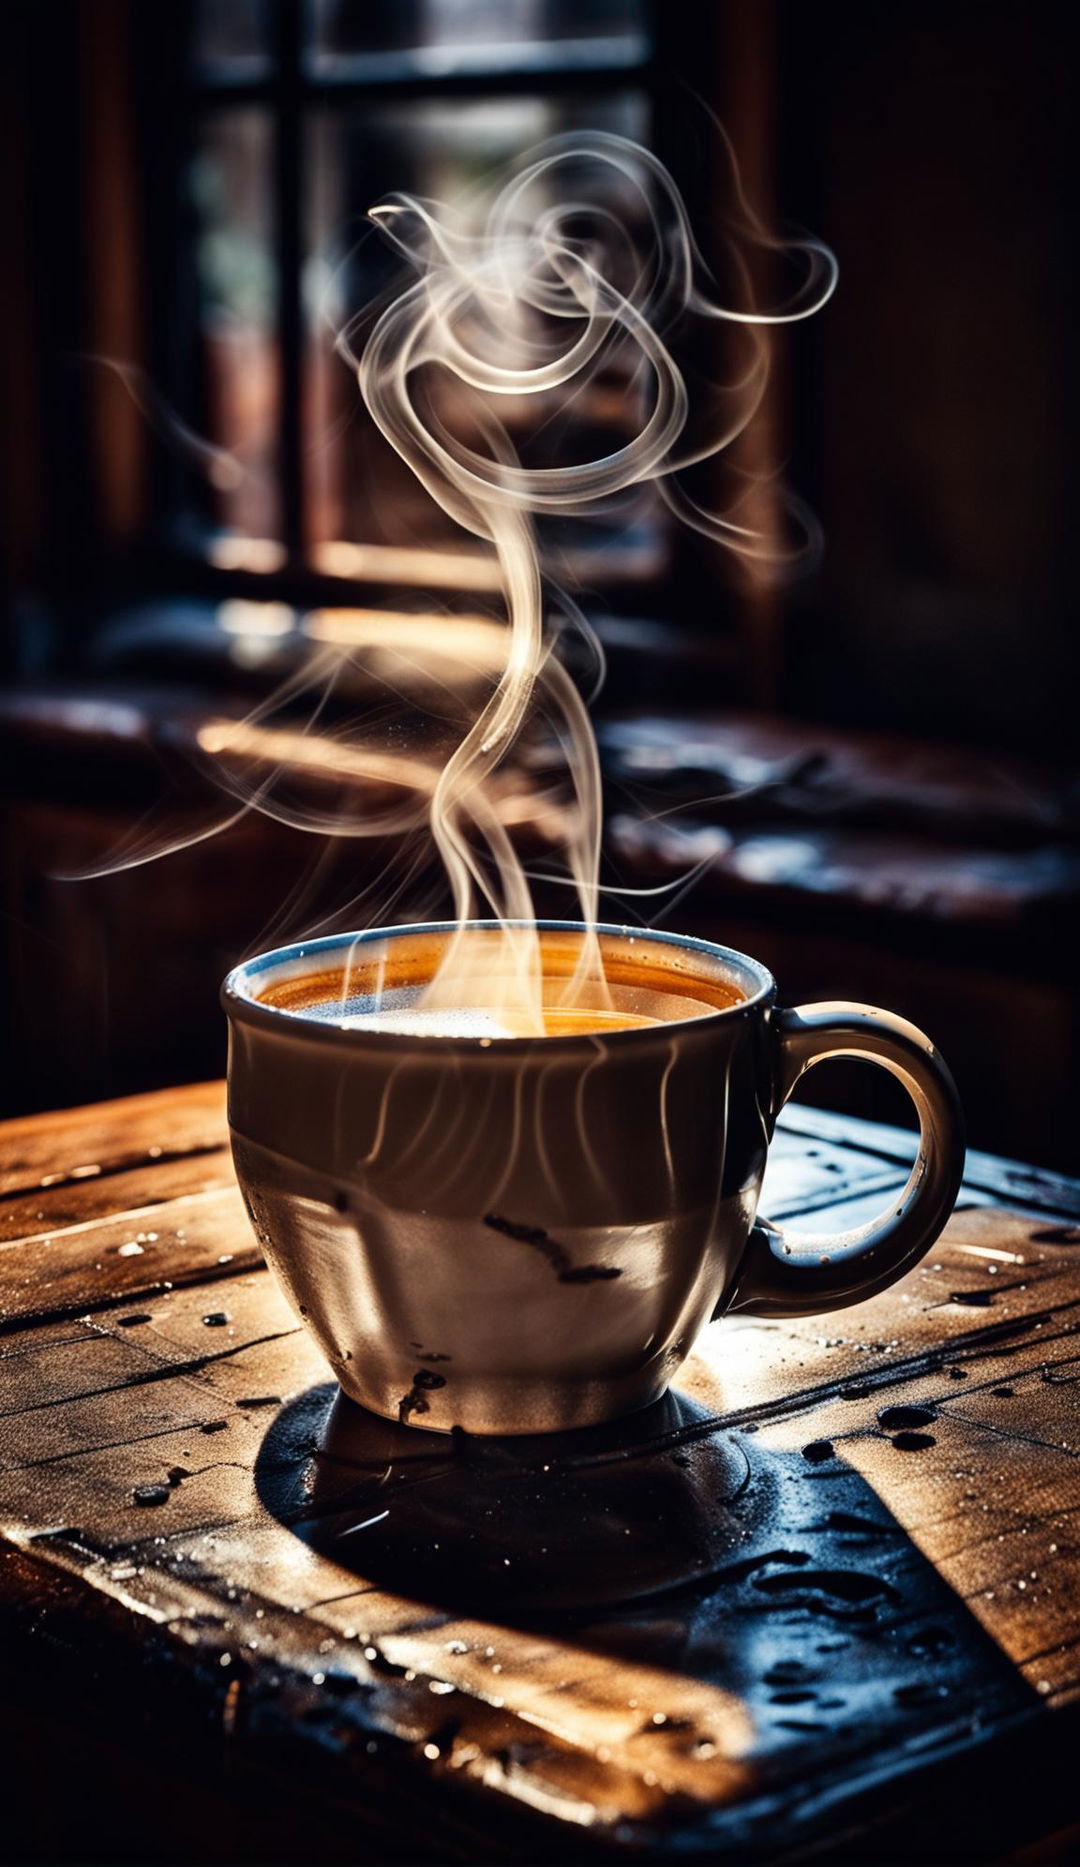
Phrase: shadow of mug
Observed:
(663, 1541)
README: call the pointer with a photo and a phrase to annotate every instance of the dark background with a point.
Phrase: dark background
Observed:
(174, 178)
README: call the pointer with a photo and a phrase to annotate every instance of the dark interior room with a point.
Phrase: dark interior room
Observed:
(818, 684)
(196, 504)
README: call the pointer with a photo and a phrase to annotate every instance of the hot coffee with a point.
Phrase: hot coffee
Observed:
(388, 991)
(488, 1021)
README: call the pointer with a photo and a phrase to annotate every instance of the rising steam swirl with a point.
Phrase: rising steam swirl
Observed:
(530, 291)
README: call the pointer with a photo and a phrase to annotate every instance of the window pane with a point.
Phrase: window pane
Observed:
(231, 38)
(362, 495)
(437, 37)
(237, 364)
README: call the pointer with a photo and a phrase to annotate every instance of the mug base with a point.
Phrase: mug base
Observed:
(496, 1411)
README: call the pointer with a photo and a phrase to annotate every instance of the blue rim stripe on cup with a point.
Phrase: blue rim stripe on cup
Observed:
(240, 1002)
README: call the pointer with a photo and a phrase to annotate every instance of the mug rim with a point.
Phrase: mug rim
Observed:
(239, 1003)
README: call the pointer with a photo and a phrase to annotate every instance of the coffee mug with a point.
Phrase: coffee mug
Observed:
(526, 1234)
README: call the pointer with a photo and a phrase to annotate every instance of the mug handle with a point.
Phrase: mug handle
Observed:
(799, 1273)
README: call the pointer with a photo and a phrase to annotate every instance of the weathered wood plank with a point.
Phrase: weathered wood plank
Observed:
(804, 1175)
(138, 1375)
(39, 1151)
(135, 1191)
(995, 1509)
(990, 1283)
(581, 1720)
(1012, 1182)
(123, 1258)
(349, 1600)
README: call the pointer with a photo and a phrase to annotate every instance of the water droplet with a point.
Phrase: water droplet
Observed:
(148, 1495)
(891, 1417)
(920, 1692)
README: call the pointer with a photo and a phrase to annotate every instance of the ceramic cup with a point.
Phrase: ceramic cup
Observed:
(527, 1234)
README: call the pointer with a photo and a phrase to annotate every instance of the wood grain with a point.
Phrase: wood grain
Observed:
(42, 1151)
(846, 1563)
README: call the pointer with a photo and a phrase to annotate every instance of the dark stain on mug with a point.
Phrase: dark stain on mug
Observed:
(423, 1382)
(557, 1255)
(428, 1354)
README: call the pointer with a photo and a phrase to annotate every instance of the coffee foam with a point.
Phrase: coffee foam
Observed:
(439, 1021)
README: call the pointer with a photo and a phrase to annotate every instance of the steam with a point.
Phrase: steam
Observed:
(222, 470)
(571, 278)
(523, 297)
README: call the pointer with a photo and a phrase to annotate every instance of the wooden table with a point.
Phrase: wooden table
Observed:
(826, 1599)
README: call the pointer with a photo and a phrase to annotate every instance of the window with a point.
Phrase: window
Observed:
(295, 117)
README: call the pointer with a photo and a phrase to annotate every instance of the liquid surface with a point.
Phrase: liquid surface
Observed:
(383, 986)
(475, 1021)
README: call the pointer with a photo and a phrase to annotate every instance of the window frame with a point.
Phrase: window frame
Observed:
(292, 89)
